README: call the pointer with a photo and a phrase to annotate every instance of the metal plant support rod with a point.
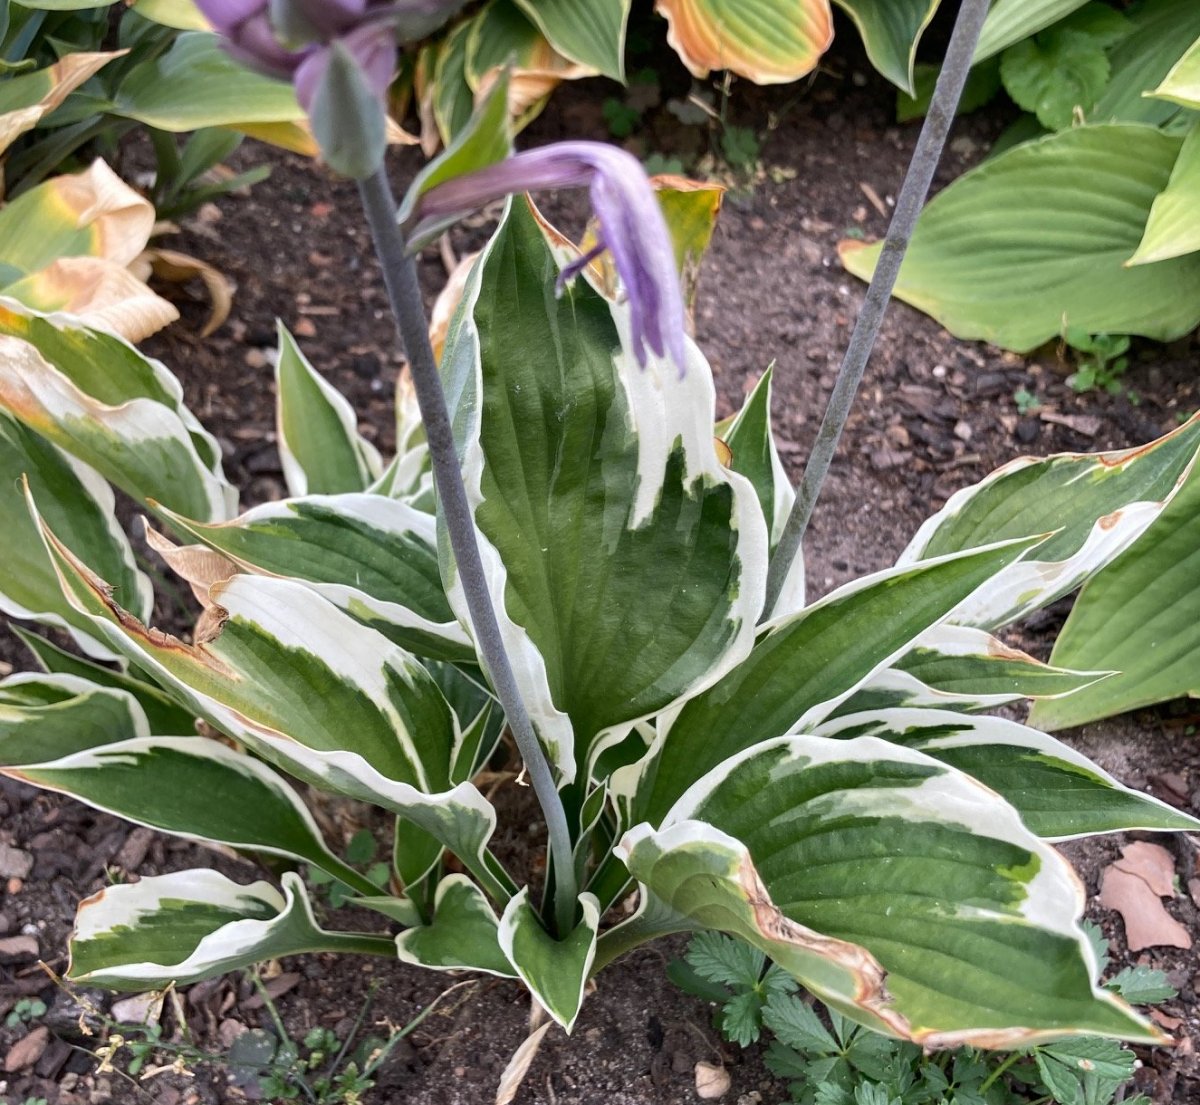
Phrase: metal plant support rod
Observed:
(925, 158)
(400, 276)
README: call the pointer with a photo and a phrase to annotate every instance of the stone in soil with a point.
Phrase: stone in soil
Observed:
(27, 1050)
(14, 863)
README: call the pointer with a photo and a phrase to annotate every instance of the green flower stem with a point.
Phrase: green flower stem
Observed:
(909, 202)
(400, 275)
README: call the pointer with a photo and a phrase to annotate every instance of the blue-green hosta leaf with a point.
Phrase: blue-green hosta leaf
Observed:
(45, 717)
(556, 971)
(463, 935)
(1163, 30)
(892, 886)
(306, 687)
(374, 557)
(891, 30)
(164, 713)
(1138, 616)
(590, 32)
(95, 396)
(319, 445)
(80, 506)
(1097, 504)
(1059, 793)
(1174, 225)
(801, 667)
(625, 562)
(1035, 240)
(193, 925)
(194, 787)
(969, 663)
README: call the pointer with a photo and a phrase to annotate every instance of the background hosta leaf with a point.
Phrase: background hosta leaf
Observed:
(196, 84)
(556, 971)
(622, 557)
(1036, 239)
(892, 886)
(891, 30)
(1059, 793)
(1182, 84)
(1010, 21)
(463, 935)
(319, 444)
(193, 925)
(26, 99)
(1138, 616)
(92, 213)
(1093, 505)
(1174, 225)
(375, 558)
(768, 41)
(80, 506)
(1162, 32)
(590, 32)
(802, 665)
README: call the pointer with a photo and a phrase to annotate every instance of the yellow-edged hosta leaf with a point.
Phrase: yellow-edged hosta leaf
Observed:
(99, 293)
(767, 41)
(590, 32)
(183, 15)
(88, 214)
(25, 100)
(891, 30)
(179, 268)
(1174, 226)
(1182, 83)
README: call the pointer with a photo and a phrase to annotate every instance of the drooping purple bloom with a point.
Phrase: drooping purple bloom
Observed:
(632, 227)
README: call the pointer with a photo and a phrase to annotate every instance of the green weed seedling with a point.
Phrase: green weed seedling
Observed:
(829, 1060)
(1101, 361)
(25, 1011)
(360, 852)
(1027, 401)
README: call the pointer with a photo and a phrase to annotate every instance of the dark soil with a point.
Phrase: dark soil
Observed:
(934, 414)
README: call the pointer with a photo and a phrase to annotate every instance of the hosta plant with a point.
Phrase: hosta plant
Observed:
(571, 540)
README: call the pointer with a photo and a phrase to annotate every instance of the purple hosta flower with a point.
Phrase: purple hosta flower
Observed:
(292, 39)
(632, 227)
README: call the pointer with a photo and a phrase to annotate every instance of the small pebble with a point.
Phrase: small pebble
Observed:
(27, 1050)
(15, 948)
(14, 863)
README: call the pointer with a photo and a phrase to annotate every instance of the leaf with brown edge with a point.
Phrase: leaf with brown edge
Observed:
(767, 41)
(178, 268)
(30, 97)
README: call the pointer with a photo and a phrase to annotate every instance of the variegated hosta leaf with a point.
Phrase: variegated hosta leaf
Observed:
(1094, 505)
(80, 507)
(893, 689)
(767, 41)
(194, 787)
(626, 564)
(592, 34)
(752, 443)
(193, 925)
(463, 935)
(46, 717)
(894, 887)
(556, 971)
(374, 557)
(164, 713)
(1058, 792)
(97, 397)
(969, 663)
(1139, 615)
(306, 687)
(319, 444)
(26, 99)
(801, 667)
